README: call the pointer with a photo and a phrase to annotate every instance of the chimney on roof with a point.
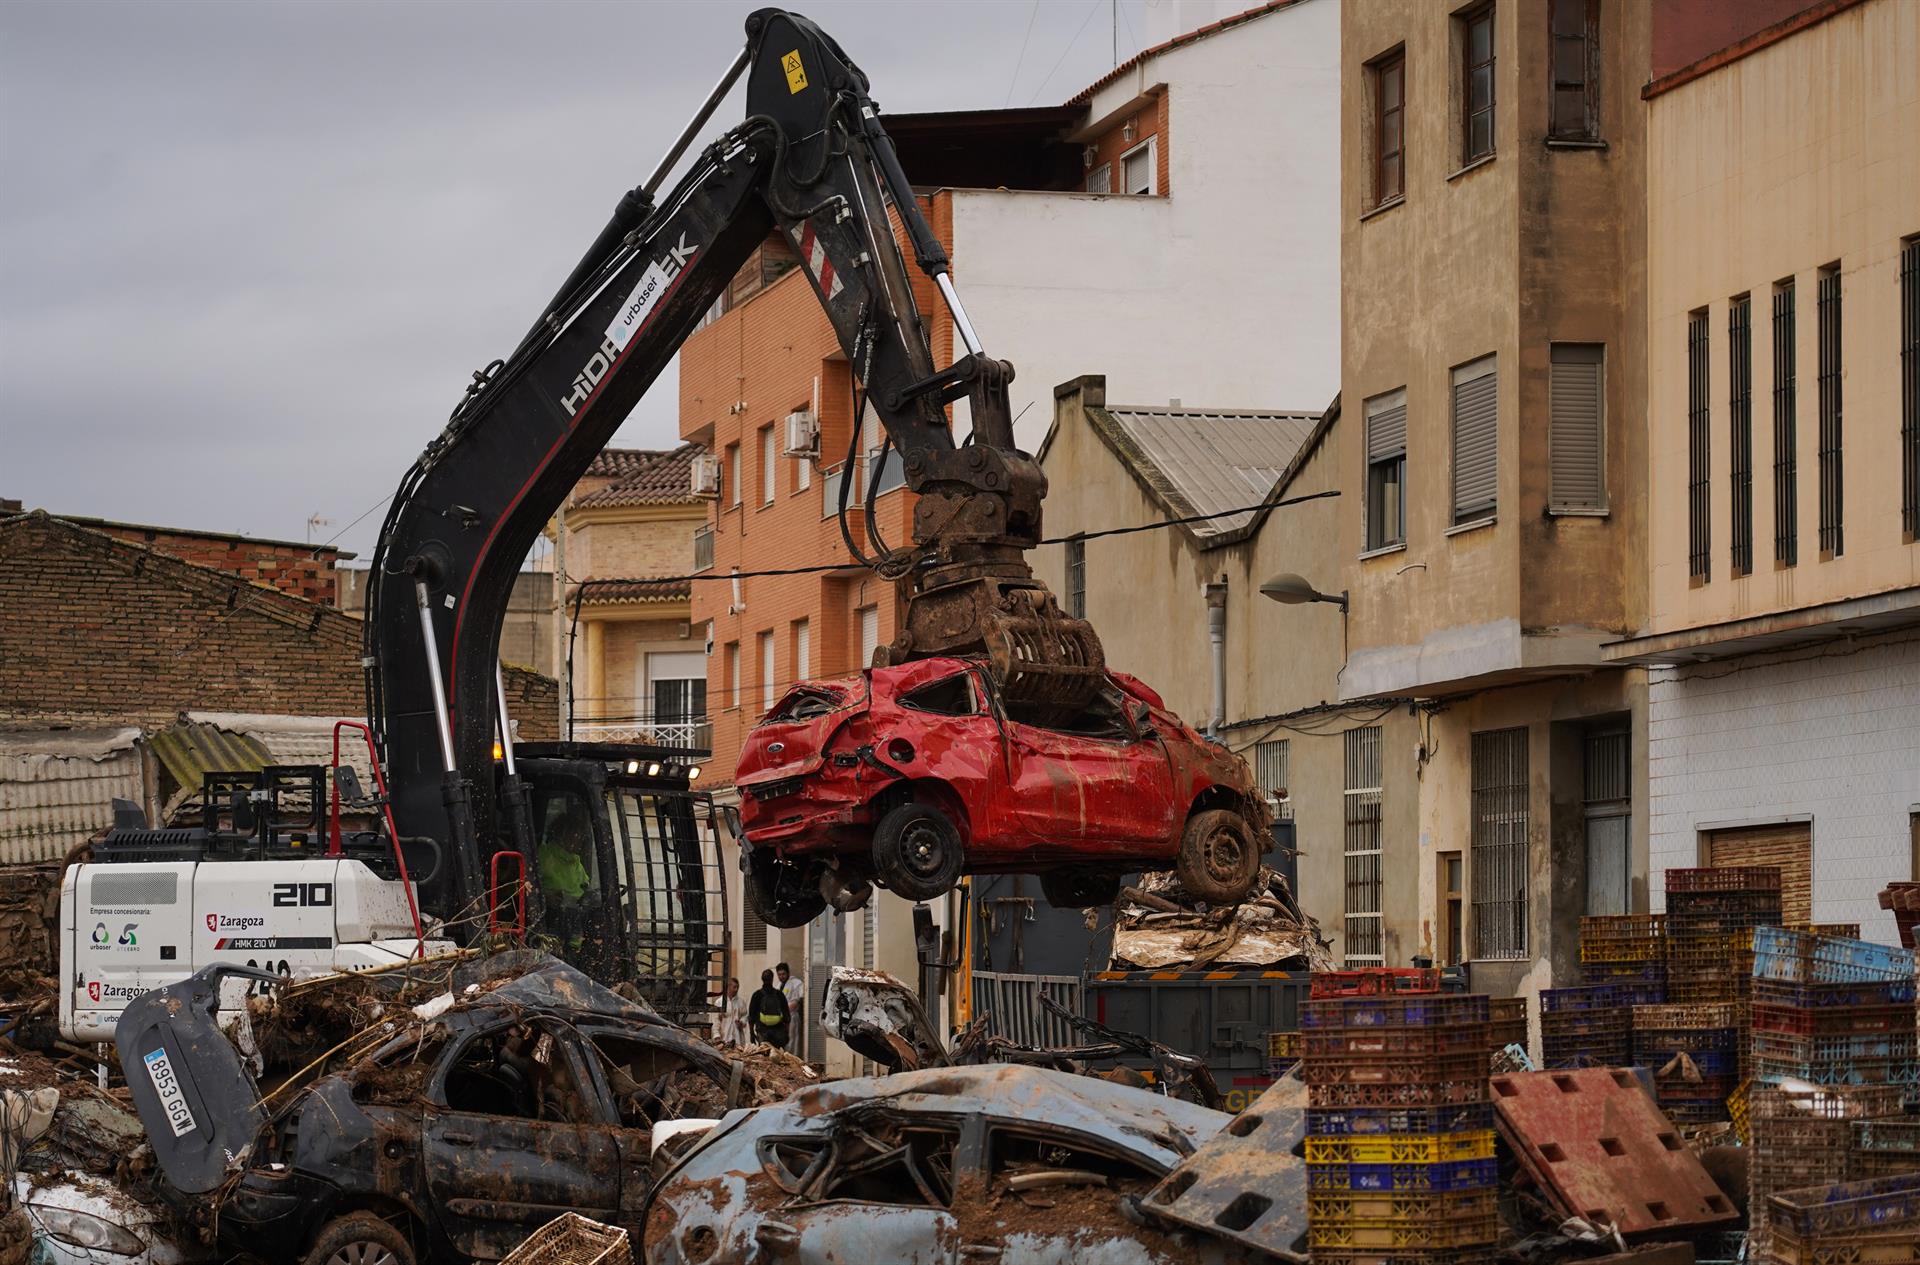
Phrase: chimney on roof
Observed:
(10, 506)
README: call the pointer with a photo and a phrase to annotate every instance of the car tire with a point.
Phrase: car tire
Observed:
(359, 1238)
(917, 852)
(780, 895)
(1079, 889)
(1218, 859)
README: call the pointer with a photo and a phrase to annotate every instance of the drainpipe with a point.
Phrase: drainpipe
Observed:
(1217, 634)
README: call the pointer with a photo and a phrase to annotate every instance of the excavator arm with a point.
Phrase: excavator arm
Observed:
(812, 161)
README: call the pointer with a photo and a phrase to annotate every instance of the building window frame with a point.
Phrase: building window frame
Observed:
(1386, 453)
(1833, 540)
(1740, 434)
(733, 475)
(1475, 400)
(1499, 822)
(768, 464)
(1272, 761)
(1606, 806)
(1786, 428)
(1387, 87)
(1151, 148)
(730, 662)
(1477, 67)
(1699, 450)
(765, 669)
(1077, 578)
(1573, 49)
(1576, 423)
(1363, 942)
(1910, 388)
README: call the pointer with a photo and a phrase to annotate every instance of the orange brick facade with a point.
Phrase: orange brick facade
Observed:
(1150, 122)
(740, 375)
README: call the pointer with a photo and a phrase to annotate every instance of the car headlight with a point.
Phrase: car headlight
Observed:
(83, 1229)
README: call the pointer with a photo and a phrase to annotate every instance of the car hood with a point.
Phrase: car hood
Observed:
(780, 749)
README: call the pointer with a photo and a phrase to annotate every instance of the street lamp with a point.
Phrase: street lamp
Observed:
(1293, 590)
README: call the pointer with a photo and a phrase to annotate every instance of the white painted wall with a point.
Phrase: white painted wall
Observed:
(1821, 734)
(1230, 286)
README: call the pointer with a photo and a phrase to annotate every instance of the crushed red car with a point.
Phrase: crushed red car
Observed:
(910, 776)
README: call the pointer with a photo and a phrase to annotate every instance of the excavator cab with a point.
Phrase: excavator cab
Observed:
(624, 879)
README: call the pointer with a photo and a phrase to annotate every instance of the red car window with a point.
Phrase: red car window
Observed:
(951, 697)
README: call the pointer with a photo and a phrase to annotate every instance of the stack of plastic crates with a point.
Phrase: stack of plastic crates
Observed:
(1867, 1221)
(1283, 1051)
(1584, 1027)
(1711, 914)
(1693, 1052)
(1832, 1011)
(1400, 1143)
(1628, 951)
(1507, 1022)
(1883, 1148)
(1801, 1137)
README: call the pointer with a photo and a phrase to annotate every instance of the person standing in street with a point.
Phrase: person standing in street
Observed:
(732, 1029)
(795, 991)
(769, 1014)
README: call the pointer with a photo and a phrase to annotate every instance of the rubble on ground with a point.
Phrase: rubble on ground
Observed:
(1158, 925)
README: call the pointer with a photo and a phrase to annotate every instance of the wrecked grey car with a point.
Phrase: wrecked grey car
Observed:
(1003, 1163)
(448, 1131)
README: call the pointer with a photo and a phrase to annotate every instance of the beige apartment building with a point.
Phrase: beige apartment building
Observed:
(1492, 532)
(1341, 777)
(1783, 490)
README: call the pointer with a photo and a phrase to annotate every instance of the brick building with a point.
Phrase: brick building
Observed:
(97, 632)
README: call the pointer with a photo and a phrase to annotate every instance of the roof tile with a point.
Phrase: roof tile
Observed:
(646, 478)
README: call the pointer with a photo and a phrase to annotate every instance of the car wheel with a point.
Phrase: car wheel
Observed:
(781, 895)
(1079, 889)
(359, 1238)
(1218, 860)
(917, 852)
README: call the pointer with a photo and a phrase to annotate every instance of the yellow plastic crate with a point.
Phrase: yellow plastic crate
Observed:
(1397, 1148)
(1740, 1112)
(1456, 1232)
(1331, 1207)
(1283, 1045)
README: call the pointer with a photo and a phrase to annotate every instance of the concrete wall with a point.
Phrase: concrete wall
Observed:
(1827, 734)
(1536, 245)
(1144, 595)
(1229, 288)
(1803, 153)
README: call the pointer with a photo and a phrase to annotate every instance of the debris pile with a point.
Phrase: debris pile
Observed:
(1159, 924)
(29, 911)
(1399, 1135)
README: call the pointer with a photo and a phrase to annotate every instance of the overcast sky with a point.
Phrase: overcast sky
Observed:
(250, 252)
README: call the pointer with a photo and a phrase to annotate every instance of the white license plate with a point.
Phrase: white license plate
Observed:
(167, 1085)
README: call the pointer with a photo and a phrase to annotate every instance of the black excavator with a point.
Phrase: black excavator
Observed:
(813, 162)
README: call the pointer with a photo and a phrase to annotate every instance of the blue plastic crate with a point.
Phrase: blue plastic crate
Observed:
(1889, 992)
(1402, 1010)
(1365, 1121)
(1448, 1175)
(1841, 1072)
(1671, 1041)
(1801, 957)
(1585, 997)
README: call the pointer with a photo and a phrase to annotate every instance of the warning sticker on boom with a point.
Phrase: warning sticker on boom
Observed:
(796, 73)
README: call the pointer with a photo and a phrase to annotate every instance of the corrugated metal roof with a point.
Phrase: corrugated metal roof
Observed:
(1208, 460)
(57, 788)
(225, 742)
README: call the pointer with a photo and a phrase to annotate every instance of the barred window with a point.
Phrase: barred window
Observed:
(1699, 452)
(1077, 578)
(1740, 431)
(1499, 844)
(1607, 806)
(1832, 485)
(1910, 387)
(753, 932)
(1364, 941)
(1786, 431)
(1270, 775)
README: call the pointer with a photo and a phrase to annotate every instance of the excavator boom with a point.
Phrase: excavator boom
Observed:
(813, 162)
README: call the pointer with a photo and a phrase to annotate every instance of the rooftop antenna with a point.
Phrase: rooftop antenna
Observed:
(314, 523)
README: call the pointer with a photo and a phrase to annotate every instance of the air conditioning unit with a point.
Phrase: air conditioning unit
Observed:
(706, 475)
(803, 434)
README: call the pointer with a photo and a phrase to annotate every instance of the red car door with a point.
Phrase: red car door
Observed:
(1103, 786)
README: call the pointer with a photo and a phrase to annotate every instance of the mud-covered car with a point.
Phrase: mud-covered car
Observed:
(1017, 1165)
(910, 776)
(450, 1130)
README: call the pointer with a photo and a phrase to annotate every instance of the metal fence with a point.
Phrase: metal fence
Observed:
(1012, 1006)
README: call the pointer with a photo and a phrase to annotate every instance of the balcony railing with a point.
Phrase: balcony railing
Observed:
(695, 732)
(703, 549)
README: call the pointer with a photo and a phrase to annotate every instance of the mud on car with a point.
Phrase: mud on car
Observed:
(909, 776)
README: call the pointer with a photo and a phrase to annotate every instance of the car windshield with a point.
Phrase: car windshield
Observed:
(807, 702)
(1104, 717)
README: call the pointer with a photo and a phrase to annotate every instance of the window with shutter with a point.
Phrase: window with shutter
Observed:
(1476, 441)
(1387, 469)
(1576, 435)
(1699, 450)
